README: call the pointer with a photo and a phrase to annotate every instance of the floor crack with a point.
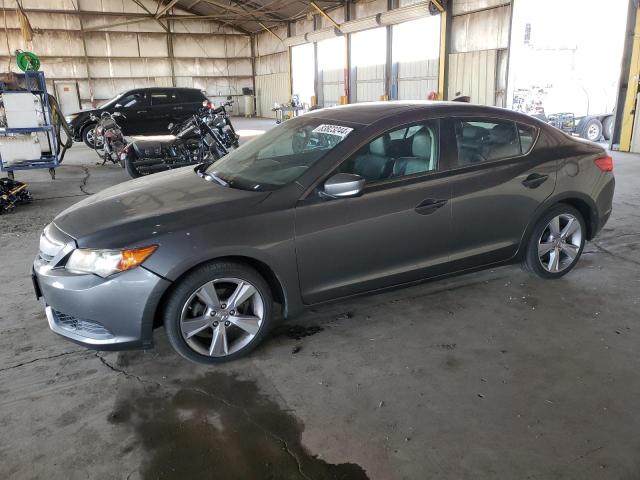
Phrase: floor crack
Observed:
(246, 413)
(124, 372)
(615, 255)
(85, 179)
(41, 358)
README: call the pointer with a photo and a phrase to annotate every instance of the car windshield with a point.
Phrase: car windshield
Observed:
(279, 156)
(112, 99)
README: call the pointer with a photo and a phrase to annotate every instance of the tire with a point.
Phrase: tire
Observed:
(131, 168)
(541, 239)
(607, 127)
(592, 130)
(87, 133)
(207, 330)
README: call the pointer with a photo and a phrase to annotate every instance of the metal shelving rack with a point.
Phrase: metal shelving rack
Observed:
(34, 83)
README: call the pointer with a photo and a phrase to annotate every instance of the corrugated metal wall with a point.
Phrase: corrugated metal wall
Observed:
(207, 55)
(477, 62)
(272, 72)
(474, 74)
(417, 79)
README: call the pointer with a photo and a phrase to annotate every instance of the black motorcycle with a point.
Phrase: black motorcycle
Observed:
(202, 138)
(223, 123)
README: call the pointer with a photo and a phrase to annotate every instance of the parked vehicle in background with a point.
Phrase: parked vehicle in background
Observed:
(147, 110)
(108, 133)
(572, 108)
(203, 137)
(338, 202)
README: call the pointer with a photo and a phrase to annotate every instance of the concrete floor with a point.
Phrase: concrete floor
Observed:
(496, 374)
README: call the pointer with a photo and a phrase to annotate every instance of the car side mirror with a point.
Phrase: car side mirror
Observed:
(343, 185)
(117, 105)
(170, 126)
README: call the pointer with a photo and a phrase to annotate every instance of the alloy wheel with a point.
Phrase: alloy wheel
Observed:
(560, 243)
(95, 141)
(222, 317)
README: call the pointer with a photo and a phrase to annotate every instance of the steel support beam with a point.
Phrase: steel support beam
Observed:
(628, 93)
(443, 57)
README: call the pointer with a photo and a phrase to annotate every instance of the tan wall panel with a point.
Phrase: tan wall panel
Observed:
(486, 30)
(271, 89)
(151, 45)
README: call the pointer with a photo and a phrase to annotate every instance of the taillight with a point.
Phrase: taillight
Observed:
(605, 163)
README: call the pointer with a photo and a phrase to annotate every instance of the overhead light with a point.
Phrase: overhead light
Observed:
(361, 24)
(323, 34)
(293, 41)
(404, 14)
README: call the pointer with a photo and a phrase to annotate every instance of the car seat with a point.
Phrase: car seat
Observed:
(374, 165)
(502, 143)
(421, 160)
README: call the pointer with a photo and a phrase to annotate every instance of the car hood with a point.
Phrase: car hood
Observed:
(138, 210)
(84, 111)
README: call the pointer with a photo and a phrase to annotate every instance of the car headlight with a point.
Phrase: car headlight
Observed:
(107, 262)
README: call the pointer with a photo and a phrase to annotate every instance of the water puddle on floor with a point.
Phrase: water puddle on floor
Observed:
(220, 427)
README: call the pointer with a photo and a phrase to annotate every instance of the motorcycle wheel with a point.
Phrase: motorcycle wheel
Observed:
(129, 166)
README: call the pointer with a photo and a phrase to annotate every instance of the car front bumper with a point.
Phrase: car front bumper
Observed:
(114, 313)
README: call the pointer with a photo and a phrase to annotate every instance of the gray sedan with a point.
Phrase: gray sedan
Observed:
(339, 202)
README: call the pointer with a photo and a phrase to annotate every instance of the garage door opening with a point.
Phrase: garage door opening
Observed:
(568, 70)
(368, 58)
(332, 60)
(415, 69)
(303, 65)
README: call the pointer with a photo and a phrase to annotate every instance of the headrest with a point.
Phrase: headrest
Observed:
(503, 133)
(421, 146)
(472, 132)
(379, 145)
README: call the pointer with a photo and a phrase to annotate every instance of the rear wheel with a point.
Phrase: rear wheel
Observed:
(556, 242)
(607, 127)
(130, 167)
(219, 312)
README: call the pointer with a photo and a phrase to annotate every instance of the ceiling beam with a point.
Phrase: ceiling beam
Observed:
(166, 8)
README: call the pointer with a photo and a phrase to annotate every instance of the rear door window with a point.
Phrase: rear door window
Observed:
(192, 96)
(527, 137)
(489, 140)
(164, 97)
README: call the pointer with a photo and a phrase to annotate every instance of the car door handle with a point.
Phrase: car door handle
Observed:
(141, 111)
(177, 108)
(534, 180)
(430, 205)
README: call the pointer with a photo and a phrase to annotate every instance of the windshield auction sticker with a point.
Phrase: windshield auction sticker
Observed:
(337, 130)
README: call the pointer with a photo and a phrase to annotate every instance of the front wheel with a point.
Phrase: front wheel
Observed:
(592, 130)
(556, 242)
(218, 312)
(90, 138)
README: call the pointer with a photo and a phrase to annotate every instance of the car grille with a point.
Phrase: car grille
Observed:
(80, 326)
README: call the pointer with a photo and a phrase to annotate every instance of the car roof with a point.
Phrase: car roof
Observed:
(372, 112)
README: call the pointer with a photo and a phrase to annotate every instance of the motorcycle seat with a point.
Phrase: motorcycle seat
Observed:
(150, 146)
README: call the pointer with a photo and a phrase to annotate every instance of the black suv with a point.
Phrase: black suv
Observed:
(146, 111)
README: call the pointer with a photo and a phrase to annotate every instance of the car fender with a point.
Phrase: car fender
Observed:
(285, 273)
(554, 199)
